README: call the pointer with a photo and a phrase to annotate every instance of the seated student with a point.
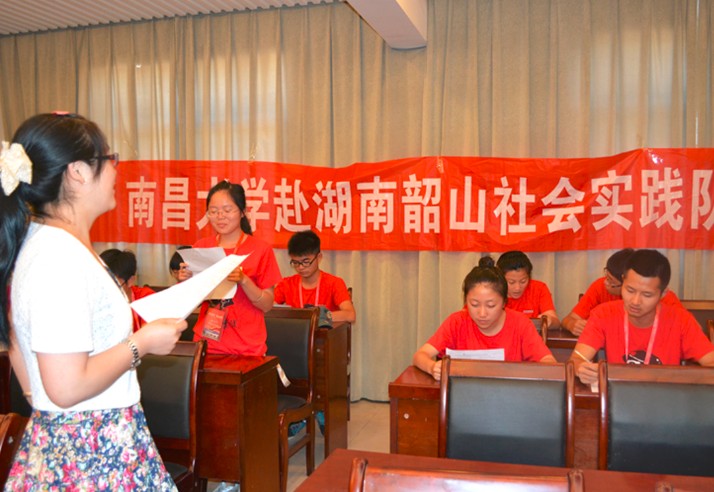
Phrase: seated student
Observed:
(123, 265)
(531, 297)
(484, 323)
(639, 328)
(312, 286)
(605, 289)
(176, 262)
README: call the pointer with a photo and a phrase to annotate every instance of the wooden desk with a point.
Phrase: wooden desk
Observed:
(561, 343)
(332, 395)
(334, 473)
(238, 421)
(414, 417)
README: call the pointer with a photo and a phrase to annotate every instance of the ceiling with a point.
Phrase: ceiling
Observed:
(402, 23)
(24, 16)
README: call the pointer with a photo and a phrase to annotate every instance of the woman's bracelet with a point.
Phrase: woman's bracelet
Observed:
(135, 358)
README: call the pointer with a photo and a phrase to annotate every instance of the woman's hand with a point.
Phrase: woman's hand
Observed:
(159, 337)
(436, 370)
(184, 273)
(237, 276)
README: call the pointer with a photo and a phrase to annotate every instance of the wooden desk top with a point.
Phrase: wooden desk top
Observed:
(561, 337)
(235, 369)
(334, 473)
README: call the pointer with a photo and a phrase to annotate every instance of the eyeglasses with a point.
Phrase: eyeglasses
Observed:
(219, 212)
(304, 263)
(611, 281)
(113, 158)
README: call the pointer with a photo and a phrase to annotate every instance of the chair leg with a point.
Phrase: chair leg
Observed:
(310, 447)
(283, 454)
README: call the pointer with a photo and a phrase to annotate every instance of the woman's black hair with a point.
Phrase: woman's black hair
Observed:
(121, 263)
(237, 194)
(51, 141)
(514, 260)
(177, 259)
(486, 273)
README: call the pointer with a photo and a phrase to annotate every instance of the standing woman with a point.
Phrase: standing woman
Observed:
(485, 323)
(237, 325)
(531, 297)
(67, 321)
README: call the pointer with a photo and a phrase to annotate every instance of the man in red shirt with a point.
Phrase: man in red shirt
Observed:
(640, 328)
(605, 289)
(312, 286)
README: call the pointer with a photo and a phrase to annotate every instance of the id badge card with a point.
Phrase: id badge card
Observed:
(213, 323)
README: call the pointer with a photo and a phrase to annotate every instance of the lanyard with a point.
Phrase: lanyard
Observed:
(241, 240)
(317, 291)
(650, 344)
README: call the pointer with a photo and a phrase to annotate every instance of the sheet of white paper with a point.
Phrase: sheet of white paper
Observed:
(595, 387)
(180, 300)
(199, 259)
(489, 354)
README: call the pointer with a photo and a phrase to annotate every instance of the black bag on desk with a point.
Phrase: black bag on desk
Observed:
(325, 317)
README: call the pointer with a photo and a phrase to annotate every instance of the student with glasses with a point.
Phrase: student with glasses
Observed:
(310, 286)
(605, 289)
(67, 321)
(237, 325)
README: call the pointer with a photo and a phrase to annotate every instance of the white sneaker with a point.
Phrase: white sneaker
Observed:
(227, 487)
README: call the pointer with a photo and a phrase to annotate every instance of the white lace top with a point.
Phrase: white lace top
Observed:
(64, 301)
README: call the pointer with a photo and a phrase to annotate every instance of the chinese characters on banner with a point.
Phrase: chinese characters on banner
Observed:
(658, 198)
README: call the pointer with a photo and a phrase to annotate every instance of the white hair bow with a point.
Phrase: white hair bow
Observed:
(15, 166)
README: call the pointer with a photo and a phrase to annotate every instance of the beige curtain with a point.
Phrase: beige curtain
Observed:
(315, 85)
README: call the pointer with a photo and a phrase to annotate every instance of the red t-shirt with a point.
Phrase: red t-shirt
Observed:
(597, 294)
(518, 337)
(333, 292)
(244, 332)
(137, 293)
(678, 337)
(536, 300)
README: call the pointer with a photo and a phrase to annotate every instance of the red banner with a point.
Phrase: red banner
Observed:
(657, 198)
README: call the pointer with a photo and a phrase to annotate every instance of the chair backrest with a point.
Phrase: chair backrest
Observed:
(702, 310)
(169, 387)
(656, 419)
(541, 325)
(512, 412)
(291, 336)
(365, 477)
(12, 426)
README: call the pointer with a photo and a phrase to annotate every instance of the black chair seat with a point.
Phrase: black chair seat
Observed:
(289, 402)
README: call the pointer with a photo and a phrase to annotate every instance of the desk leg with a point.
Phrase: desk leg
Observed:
(336, 381)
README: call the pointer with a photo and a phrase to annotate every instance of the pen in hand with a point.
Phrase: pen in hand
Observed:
(581, 355)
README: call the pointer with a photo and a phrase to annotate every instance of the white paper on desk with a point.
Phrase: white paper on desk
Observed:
(486, 354)
(595, 387)
(199, 259)
(180, 300)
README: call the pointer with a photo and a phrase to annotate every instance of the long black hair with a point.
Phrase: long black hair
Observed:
(237, 194)
(486, 273)
(51, 141)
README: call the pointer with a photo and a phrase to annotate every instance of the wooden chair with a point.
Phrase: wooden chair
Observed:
(291, 337)
(365, 477)
(12, 426)
(511, 412)
(541, 325)
(169, 393)
(656, 419)
(703, 312)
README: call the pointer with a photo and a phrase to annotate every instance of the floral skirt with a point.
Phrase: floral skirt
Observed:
(88, 451)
